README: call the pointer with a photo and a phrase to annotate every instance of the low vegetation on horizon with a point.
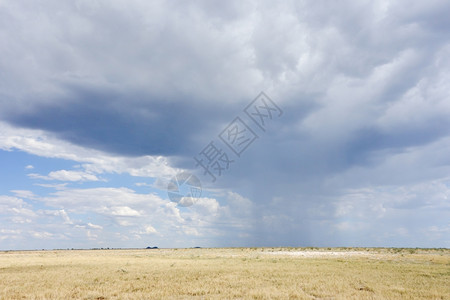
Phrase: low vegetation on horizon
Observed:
(227, 273)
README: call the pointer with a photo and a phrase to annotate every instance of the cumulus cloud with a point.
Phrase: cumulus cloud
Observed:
(148, 229)
(41, 143)
(15, 210)
(124, 211)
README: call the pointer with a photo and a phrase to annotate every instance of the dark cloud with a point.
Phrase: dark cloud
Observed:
(129, 124)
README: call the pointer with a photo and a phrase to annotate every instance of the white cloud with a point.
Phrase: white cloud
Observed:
(24, 194)
(65, 175)
(143, 184)
(101, 199)
(93, 226)
(124, 211)
(42, 235)
(240, 206)
(15, 209)
(41, 143)
(148, 229)
(59, 186)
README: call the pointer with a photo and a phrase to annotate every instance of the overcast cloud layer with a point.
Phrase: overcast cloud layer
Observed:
(121, 95)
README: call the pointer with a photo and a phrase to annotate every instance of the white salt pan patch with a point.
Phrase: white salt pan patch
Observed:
(320, 253)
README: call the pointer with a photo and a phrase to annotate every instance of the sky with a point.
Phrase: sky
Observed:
(290, 123)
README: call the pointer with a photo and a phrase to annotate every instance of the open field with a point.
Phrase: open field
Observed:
(238, 273)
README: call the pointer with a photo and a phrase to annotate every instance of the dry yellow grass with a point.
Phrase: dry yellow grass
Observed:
(269, 273)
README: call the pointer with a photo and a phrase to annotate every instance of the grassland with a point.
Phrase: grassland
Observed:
(239, 273)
